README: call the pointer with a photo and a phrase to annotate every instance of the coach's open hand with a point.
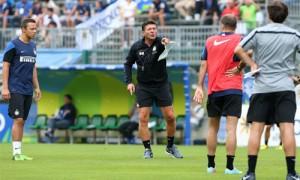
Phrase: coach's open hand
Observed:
(165, 41)
(131, 88)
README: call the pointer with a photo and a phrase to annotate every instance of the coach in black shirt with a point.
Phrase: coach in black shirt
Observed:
(152, 85)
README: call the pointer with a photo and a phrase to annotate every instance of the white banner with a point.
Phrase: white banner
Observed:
(98, 27)
(243, 130)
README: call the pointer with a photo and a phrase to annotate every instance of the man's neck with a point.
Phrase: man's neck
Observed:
(149, 42)
(24, 39)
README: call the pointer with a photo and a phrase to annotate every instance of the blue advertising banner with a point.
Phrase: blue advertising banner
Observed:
(5, 124)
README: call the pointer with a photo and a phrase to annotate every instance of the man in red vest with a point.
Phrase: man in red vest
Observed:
(224, 90)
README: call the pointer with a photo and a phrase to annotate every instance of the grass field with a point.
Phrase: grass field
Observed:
(85, 162)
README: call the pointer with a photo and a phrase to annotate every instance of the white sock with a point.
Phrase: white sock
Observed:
(16, 147)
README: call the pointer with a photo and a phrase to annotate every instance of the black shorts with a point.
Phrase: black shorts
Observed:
(228, 105)
(270, 108)
(161, 95)
(19, 106)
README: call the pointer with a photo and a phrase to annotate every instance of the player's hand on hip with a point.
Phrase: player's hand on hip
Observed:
(296, 80)
(254, 67)
(131, 88)
(198, 97)
(38, 94)
(165, 41)
(231, 72)
(5, 94)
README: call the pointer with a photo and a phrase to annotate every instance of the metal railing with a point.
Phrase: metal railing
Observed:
(114, 47)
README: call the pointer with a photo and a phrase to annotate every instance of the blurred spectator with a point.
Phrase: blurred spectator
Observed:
(64, 118)
(23, 9)
(222, 4)
(37, 8)
(159, 10)
(127, 128)
(37, 12)
(82, 13)
(231, 8)
(50, 36)
(69, 12)
(99, 6)
(185, 8)
(6, 10)
(211, 12)
(51, 4)
(199, 5)
(248, 12)
(128, 10)
(51, 17)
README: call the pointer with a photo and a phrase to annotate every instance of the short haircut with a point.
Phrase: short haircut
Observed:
(52, 23)
(278, 11)
(229, 21)
(50, 9)
(147, 23)
(69, 97)
(25, 22)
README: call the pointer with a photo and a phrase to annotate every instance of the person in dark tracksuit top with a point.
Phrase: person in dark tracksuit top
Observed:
(152, 85)
(19, 81)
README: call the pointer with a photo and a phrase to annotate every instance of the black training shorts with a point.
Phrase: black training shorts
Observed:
(19, 105)
(274, 107)
(228, 105)
(146, 95)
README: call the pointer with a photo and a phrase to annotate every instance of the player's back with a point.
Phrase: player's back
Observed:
(274, 47)
(220, 58)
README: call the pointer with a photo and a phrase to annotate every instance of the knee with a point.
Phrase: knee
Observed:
(170, 118)
(231, 131)
(143, 119)
(19, 122)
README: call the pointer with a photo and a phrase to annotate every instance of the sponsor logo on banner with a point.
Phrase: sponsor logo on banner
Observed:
(98, 27)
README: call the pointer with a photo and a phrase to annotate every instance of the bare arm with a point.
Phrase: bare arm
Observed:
(198, 97)
(5, 75)
(36, 85)
(202, 72)
(239, 51)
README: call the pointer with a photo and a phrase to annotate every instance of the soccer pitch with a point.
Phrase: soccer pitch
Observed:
(72, 162)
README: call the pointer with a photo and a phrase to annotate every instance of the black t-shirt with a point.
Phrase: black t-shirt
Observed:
(150, 71)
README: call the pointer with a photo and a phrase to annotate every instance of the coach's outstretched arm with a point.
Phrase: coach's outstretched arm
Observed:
(130, 60)
(241, 53)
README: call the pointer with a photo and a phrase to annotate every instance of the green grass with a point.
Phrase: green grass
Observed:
(72, 162)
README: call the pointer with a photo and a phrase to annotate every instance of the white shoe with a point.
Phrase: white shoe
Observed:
(211, 170)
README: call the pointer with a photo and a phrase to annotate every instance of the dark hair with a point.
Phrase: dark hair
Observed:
(25, 22)
(278, 11)
(52, 23)
(50, 9)
(68, 96)
(229, 21)
(147, 23)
